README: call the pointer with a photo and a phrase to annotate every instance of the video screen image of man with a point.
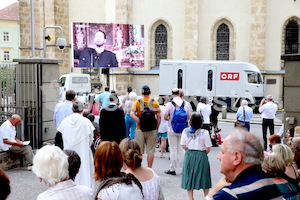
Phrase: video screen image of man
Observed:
(98, 56)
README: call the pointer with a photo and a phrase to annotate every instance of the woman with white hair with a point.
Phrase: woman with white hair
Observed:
(50, 164)
(244, 114)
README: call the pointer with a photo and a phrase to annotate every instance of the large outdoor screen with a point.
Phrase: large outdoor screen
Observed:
(108, 45)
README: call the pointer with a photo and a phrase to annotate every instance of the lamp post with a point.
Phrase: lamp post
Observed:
(32, 28)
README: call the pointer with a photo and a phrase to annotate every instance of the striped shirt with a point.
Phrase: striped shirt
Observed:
(250, 184)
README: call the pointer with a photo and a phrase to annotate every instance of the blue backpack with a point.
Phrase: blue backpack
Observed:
(179, 121)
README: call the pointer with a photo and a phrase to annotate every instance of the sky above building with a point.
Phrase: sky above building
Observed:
(5, 3)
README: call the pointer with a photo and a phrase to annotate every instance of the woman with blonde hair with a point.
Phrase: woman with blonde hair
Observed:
(297, 131)
(274, 166)
(285, 152)
(296, 150)
(133, 164)
(114, 184)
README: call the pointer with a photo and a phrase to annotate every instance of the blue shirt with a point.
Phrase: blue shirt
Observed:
(61, 111)
(250, 184)
(248, 114)
(103, 98)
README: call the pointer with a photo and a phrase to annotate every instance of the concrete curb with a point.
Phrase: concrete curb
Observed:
(252, 122)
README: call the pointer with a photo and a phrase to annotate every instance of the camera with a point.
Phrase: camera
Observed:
(61, 43)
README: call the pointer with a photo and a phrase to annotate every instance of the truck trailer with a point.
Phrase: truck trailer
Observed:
(224, 82)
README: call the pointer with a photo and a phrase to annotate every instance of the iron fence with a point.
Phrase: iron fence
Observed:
(19, 92)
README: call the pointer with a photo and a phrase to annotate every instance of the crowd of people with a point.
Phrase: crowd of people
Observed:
(101, 158)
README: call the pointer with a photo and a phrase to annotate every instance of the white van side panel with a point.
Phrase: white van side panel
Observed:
(194, 80)
(228, 78)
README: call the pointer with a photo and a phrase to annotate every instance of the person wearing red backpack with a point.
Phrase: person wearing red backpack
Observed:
(177, 114)
(146, 112)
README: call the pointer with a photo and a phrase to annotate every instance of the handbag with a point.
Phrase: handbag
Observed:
(239, 124)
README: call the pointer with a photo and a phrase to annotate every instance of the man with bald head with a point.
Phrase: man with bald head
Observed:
(10, 143)
(241, 158)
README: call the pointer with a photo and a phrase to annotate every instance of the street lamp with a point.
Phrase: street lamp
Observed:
(61, 42)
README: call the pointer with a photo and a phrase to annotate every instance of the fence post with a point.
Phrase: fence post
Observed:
(224, 112)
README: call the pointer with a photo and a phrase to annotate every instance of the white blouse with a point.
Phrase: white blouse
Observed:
(200, 141)
(121, 191)
(151, 188)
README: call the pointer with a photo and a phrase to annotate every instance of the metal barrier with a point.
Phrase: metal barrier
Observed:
(19, 95)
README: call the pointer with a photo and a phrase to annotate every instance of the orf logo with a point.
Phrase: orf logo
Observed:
(229, 76)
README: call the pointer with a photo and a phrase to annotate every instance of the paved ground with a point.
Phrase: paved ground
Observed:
(26, 186)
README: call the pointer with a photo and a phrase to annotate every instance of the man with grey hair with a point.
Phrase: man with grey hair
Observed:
(77, 133)
(9, 142)
(241, 158)
(244, 114)
(268, 109)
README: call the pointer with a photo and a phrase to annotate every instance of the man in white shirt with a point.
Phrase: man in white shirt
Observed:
(268, 109)
(205, 110)
(176, 151)
(10, 143)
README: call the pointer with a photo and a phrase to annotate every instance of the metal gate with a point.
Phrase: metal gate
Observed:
(18, 96)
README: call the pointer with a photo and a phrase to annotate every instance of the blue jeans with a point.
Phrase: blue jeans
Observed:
(130, 126)
(247, 125)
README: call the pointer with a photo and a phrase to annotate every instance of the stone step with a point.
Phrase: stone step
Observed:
(10, 160)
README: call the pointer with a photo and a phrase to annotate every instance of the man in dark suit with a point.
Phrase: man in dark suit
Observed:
(98, 56)
(112, 121)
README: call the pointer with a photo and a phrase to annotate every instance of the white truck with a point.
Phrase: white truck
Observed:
(226, 82)
(80, 83)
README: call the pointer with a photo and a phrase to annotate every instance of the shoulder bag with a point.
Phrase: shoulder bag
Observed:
(238, 124)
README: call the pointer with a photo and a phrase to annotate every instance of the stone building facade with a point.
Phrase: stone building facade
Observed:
(256, 32)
